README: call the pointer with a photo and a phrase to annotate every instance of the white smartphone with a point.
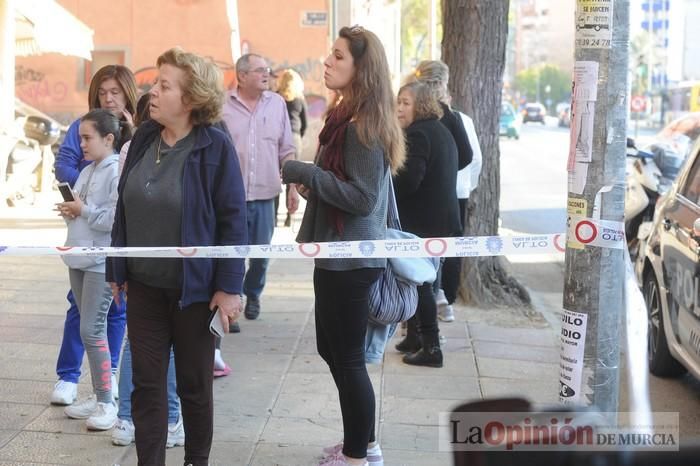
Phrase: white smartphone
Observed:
(215, 325)
(66, 192)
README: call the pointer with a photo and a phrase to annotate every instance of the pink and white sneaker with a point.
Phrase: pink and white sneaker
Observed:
(336, 460)
(374, 454)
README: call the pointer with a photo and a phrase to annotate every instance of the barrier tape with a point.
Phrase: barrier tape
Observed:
(590, 232)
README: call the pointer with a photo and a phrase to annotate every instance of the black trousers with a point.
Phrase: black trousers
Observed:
(342, 311)
(426, 313)
(452, 267)
(155, 322)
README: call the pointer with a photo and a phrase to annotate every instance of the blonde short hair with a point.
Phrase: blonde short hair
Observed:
(203, 86)
(435, 74)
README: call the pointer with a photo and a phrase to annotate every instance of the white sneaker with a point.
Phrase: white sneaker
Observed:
(176, 434)
(104, 417)
(440, 298)
(82, 409)
(446, 313)
(123, 433)
(115, 388)
(64, 393)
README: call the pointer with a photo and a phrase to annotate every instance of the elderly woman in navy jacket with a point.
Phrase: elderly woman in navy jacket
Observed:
(181, 186)
(427, 203)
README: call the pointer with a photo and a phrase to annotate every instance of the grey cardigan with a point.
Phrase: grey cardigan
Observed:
(362, 198)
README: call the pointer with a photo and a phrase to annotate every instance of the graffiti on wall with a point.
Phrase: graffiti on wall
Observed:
(310, 70)
(145, 77)
(33, 87)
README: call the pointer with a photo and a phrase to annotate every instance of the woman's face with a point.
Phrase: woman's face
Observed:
(112, 97)
(405, 108)
(340, 66)
(166, 105)
(94, 146)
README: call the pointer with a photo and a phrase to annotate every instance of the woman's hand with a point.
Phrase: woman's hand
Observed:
(70, 209)
(303, 191)
(292, 199)
(128, 117)
(229, 305)
(116, 291)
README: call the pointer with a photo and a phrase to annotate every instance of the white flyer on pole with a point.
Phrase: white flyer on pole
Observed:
(594, 20)
(573, 341)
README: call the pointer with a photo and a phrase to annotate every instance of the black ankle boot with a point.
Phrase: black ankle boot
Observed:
(430, 354)
(411, 343)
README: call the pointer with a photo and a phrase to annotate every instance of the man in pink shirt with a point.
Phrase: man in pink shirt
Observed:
(259, 125)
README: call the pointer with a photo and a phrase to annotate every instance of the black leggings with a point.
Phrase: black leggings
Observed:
(426, 313)
(342, 310)
(452, 268)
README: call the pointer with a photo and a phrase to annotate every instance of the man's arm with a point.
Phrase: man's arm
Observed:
(67, 164)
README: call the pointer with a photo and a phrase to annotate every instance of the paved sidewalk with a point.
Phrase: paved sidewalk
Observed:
(279, 406)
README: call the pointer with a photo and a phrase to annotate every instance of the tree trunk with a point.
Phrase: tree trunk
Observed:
(473, 46)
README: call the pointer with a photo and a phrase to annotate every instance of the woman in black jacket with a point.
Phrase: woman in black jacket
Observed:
(427, 202)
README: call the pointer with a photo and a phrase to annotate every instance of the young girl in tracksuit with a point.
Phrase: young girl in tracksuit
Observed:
(90, 217)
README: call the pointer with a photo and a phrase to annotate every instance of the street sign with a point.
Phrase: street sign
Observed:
(314, 18)
(637, 103)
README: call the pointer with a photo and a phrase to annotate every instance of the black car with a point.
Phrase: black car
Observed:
(669, 272)
(534, 112)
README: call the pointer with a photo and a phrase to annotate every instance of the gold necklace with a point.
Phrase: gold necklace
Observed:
(160, 139)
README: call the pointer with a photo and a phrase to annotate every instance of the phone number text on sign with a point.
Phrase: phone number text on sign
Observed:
(594, 23)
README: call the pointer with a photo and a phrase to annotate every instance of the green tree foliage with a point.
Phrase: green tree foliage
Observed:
(559, 82)
(415, 27)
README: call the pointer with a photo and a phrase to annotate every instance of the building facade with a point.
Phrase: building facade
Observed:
(293, 33)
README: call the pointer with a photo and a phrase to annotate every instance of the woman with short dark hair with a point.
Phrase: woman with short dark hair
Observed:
(427, 203)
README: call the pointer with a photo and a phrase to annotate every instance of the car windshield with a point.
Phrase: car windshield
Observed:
(688, 126)
(532, 108)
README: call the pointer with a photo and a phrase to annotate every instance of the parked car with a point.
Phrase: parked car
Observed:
(534, 112)
(509, 122)
(670, 277)
(672, 144)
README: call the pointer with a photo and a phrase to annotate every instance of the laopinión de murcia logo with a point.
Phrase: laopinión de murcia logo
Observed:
(532, 431)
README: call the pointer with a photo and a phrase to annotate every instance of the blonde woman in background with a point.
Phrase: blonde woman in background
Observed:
(291, 88)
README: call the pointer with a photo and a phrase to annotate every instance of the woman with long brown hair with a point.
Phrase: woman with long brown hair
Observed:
(361, 144)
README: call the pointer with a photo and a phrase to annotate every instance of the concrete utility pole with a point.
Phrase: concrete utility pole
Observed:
(594, 277)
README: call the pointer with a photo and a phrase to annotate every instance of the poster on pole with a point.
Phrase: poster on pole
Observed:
(575, 208)
(584, 95)
(573, 340)
(578, 177)
(594, 20)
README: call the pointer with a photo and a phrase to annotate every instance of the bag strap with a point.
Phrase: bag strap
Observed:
(392, 210)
